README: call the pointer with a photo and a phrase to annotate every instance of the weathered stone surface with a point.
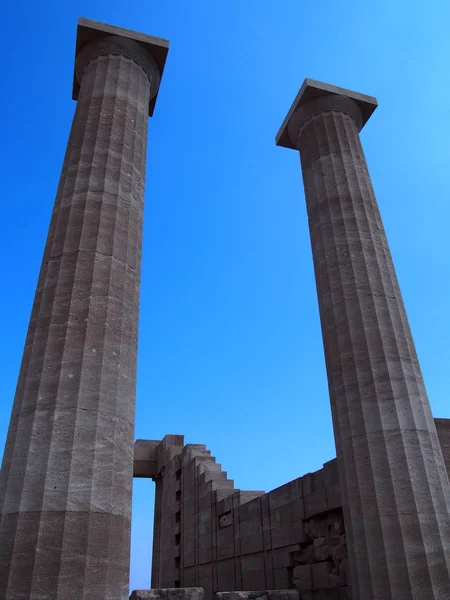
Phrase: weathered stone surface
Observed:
(324, 548)
(65, 483)
(250, 548)
(194, 593)
(317, 527)
(259, 595)
(302, 577)
(394, 485)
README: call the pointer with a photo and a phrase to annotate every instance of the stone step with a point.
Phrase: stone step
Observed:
(193, 450)
(221, 484)
(224, 493)
(209, 464)
(248, 495)
(211, 476)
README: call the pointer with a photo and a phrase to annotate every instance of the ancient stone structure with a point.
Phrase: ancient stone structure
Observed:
(395, 489)
(66, 478)
(374, 523)
(209, 534)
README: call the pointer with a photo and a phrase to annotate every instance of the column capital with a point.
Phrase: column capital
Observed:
(93, 38)
(315, 97)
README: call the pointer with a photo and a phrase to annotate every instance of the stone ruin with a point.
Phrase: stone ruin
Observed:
(374, 523)
(208, 534)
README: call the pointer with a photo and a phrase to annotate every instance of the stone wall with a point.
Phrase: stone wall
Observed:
(209, 534)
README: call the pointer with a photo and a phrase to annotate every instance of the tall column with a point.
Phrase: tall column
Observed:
(395, 488)
(66, 478)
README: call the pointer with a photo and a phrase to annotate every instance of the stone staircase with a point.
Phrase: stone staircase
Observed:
(210, 475)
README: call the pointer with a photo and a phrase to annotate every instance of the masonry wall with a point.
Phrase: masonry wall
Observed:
(210, 535)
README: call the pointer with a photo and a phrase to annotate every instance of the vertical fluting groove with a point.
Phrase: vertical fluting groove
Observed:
(334, 185)
(395, 489)
(335, 235)
(77, 223)
(390, 316)
(111, 541)
(66, 514)
(94, 73)
(345, 120)
(101, 383)
(395, 316)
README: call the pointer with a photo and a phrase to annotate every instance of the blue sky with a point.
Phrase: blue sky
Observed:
(230, 350)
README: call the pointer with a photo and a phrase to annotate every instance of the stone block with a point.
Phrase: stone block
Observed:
(305, 556)
(253, 562)
(287, 594)
(225, 520)
(333, 494)
(205, 572)
(189, 558)
(145, 458)
(282, 578)
(317, 527)
(189, 576)
(205, 529)
(320, 573)
(284, 494)
(250, 510)
(344, 570)
(330, 472)
(225, 551)
(282, 557)
(225, 529)
(302, 577)
(325, 548)
(341, 552)
(222, 492)
(205, 540)
(253, 579)
(225, 505)
(250, 495)
(336, 580)
(252, 543)
(308, 484)
(335, 520)
(288, 535)
(205, 555)
(226, 574)
(193, 593)
(298, 509)
(316, 502)
(205, 501)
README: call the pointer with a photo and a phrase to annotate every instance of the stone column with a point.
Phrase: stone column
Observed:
(395, 488)
(66, 479)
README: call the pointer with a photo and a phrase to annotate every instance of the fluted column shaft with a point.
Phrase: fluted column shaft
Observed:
(395, 488)
(66, 477)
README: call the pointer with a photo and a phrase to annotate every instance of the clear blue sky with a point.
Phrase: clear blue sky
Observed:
(230, 350)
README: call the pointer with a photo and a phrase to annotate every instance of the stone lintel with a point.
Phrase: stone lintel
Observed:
(312, 89)
(89, 31)
(145, 462)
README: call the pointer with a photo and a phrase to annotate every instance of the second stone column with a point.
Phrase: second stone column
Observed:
(395, 488)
